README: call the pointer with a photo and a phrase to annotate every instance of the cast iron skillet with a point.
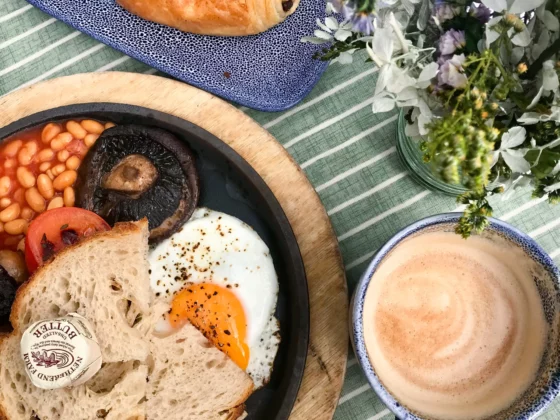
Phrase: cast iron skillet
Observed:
(231, 185)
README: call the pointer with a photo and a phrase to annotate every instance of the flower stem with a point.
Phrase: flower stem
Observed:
(373, 56)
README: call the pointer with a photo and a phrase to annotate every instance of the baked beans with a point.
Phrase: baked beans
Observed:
(38, 170)
(56, 203)
(69, 197)
(27, 213)
(50, 131)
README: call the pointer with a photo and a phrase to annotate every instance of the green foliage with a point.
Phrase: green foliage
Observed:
(337, 47)
(542, 161)
(460, 148)
(521, 100)
(365, 6)
(541, 184)
(460, 143)
(543, 132)
(474, 218)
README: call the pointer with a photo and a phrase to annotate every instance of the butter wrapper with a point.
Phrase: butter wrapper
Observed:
(60, 352)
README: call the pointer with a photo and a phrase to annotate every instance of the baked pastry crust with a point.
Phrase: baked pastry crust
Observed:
(214, 17)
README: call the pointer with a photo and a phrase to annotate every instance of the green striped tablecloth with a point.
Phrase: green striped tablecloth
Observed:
(347, 152)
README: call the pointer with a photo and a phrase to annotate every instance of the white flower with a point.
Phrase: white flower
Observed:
(421, 116)
(425, 116)
(515, 7)
(381, 51)
(516, 55)
(512, 6)
(513, 158)
(491, 34)
(536, 99)
(540, 149)
(550, 77)
(556, 185)
(409, 6)
(330, 30)
(395, 86)
(391, 77)
(529, 118)
(540, 45)
(426, 76)
(345, 57)
(386, 41)
(515, 182)
(552, 187)
(548, 18)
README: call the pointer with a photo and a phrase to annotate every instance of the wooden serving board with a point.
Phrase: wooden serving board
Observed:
(326, 361)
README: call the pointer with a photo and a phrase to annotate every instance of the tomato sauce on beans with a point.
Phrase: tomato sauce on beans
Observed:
(38, 170)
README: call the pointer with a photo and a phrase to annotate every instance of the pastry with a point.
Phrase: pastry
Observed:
(214, 17)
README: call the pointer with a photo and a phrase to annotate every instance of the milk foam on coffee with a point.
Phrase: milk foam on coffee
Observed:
(455, 328)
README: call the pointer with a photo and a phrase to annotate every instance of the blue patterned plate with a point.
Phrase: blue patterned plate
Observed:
(272, 71)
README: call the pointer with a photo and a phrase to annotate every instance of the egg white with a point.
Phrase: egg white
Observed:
(214, 247)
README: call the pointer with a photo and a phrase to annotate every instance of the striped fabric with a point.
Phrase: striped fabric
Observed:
(347, 152)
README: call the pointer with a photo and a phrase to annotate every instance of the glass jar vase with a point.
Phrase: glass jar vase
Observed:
(421, 172)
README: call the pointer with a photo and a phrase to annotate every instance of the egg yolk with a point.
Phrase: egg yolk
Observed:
(218, 314)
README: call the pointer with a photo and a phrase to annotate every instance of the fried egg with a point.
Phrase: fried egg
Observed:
(217, 273)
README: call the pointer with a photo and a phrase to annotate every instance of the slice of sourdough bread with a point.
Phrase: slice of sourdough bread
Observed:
(96, 278)
(102, 278)
(191, 379)
(105, 279)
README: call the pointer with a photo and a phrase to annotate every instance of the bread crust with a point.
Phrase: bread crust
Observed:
(239, 409)
(214, 17)
(3, 415)
(118, 230)
(235, 412)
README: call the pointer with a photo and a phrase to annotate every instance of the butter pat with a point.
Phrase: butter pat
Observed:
(60, 352)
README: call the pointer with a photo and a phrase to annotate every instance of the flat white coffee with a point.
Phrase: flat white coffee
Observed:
(455, 328)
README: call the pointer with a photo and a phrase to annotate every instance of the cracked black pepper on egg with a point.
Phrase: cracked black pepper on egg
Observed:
(134, 172)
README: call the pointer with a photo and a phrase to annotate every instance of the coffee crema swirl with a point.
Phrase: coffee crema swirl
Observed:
(455, 328)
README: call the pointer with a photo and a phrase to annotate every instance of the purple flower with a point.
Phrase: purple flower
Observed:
(444, 12)
(342, 7)
(363, 22)
(337, 5)
(482, 13)
(451, 73)
(442, 59)
(451, 41)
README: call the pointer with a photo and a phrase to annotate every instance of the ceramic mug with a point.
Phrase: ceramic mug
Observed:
(547, 385)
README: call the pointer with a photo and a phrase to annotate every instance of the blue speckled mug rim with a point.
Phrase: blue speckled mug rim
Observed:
(358, 298)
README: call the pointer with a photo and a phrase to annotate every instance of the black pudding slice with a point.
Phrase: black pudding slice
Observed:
(134, 172)
(8, 288)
